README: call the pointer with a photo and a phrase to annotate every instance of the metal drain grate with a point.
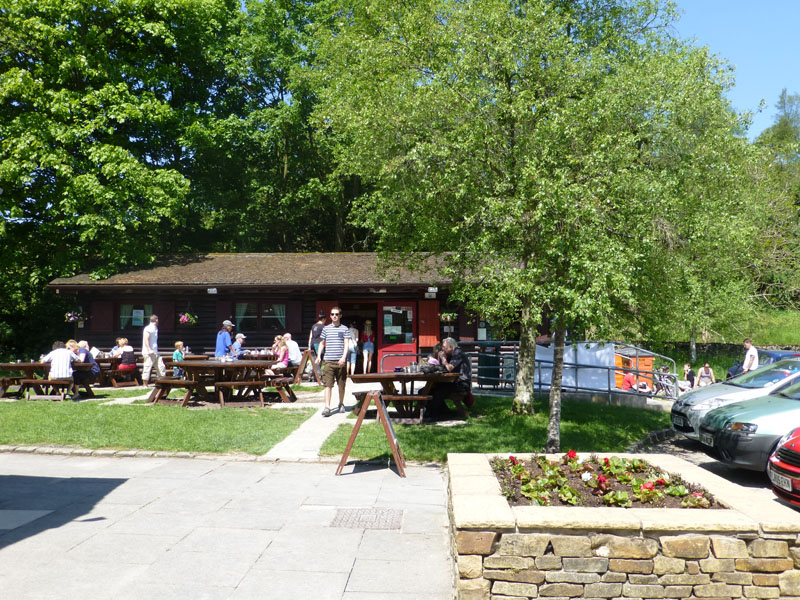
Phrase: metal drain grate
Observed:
(368, 518)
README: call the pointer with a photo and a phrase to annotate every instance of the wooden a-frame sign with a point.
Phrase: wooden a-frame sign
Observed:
(391, 436)
(308, 358)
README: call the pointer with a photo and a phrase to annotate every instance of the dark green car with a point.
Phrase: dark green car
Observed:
(744, 434)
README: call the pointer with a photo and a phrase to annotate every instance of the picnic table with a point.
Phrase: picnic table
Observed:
(399, 389)
(237, 381)
(31, 372)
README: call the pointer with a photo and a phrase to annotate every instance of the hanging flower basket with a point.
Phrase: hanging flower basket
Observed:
(73, 316)
(187, 318)
(448, 317)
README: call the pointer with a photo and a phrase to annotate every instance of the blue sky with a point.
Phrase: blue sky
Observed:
(759, 38)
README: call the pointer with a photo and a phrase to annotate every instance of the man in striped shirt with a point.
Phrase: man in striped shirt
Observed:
(61, 359)
(334, 346)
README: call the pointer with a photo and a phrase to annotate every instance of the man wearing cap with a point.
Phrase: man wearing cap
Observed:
(237, 345)
(224, 344)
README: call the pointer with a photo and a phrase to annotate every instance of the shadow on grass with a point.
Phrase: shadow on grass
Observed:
(493, 428)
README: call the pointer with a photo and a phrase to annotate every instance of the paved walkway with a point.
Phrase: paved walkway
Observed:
(283, 526)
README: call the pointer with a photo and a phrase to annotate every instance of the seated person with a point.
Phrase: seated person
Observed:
(687, 382)
(282, 357)
(89, 376)
(629, 384)
(295, 355)
(705, 376)
(237, 346)
(126, 354)
(455, 361)
(61, 358)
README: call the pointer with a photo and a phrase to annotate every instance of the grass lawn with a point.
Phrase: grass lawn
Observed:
(492, 428)
(90, 425)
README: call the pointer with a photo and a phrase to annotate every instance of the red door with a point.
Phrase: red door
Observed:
(397, 334)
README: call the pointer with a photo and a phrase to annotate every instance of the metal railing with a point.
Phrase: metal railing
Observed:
(501, 375)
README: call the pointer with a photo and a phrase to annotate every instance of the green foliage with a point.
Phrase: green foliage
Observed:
(566, 157)
(618, 498)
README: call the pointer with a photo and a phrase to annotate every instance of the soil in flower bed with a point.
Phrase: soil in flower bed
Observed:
(591, 481)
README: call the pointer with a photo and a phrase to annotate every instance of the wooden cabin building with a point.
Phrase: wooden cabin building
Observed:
(269, 294)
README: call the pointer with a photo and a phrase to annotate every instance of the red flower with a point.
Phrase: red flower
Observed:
(513, 460)
(647, 485)
(601, 479)
(606, 462)
(698, 494)
(572, 455)
(660, 481)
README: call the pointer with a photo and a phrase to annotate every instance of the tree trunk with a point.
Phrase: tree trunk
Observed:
(692, 347)
(526, 361)
(553, 443)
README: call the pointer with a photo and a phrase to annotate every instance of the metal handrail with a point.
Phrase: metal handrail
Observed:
(653, 376)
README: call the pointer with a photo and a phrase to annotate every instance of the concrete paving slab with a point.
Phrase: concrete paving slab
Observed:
(219, 529)
(11, 519)
(288, 585)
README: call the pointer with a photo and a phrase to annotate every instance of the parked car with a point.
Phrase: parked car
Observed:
(783, 467)
(744, 434)
(765, 357)
(690, 408)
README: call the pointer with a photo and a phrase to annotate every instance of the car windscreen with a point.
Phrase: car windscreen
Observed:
(767, 375)
(790, 391)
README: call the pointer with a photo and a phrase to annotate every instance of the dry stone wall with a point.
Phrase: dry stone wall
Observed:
(506, 566)
(751, 549)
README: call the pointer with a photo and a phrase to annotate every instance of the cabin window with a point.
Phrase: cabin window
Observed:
(267, 316)
(134, 316)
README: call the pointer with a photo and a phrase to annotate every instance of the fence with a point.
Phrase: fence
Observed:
(494, 365)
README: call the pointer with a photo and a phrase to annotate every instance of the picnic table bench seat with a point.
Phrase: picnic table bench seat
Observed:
(224, 388)
(123, 377)
(283, 385)
(54, 389)
(163, 386)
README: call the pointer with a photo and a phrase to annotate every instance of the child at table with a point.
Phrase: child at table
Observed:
(177, 356)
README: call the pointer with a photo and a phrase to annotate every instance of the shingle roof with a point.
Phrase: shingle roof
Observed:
(258, 269)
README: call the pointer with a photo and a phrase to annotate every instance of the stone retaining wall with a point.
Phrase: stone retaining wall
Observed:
(563, 552)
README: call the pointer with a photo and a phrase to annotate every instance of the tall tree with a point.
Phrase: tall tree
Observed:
(532, 145)
(94, 100)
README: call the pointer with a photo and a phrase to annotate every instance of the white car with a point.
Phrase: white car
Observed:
(689, 409)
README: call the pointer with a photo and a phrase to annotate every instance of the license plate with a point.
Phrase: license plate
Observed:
(707, 439)
(679, 421)
(779, 480)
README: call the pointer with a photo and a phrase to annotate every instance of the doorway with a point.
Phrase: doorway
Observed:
(356, 314)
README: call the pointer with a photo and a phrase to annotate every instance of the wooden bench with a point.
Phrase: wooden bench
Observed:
(123, 377)
(283, 385)
(410, 407)
(224, 388)
(53, 389)
(164, 385)
(7, 382)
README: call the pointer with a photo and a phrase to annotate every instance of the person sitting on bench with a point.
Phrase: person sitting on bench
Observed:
(455, 361)
(61, 358)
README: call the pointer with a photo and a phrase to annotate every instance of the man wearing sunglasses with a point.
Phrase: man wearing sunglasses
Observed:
(334, 346)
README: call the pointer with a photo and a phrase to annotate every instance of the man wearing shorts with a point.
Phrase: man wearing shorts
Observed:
(335, 346)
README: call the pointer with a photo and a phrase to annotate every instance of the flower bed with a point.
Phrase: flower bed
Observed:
(749, 548)
(611, 481)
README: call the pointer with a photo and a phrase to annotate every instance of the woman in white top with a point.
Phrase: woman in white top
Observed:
(705, 376)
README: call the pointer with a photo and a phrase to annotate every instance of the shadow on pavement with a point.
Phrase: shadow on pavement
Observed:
(31, 505)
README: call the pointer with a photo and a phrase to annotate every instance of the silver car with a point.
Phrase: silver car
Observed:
(689, 409)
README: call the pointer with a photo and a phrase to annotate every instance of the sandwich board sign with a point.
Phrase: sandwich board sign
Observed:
(391, 436)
